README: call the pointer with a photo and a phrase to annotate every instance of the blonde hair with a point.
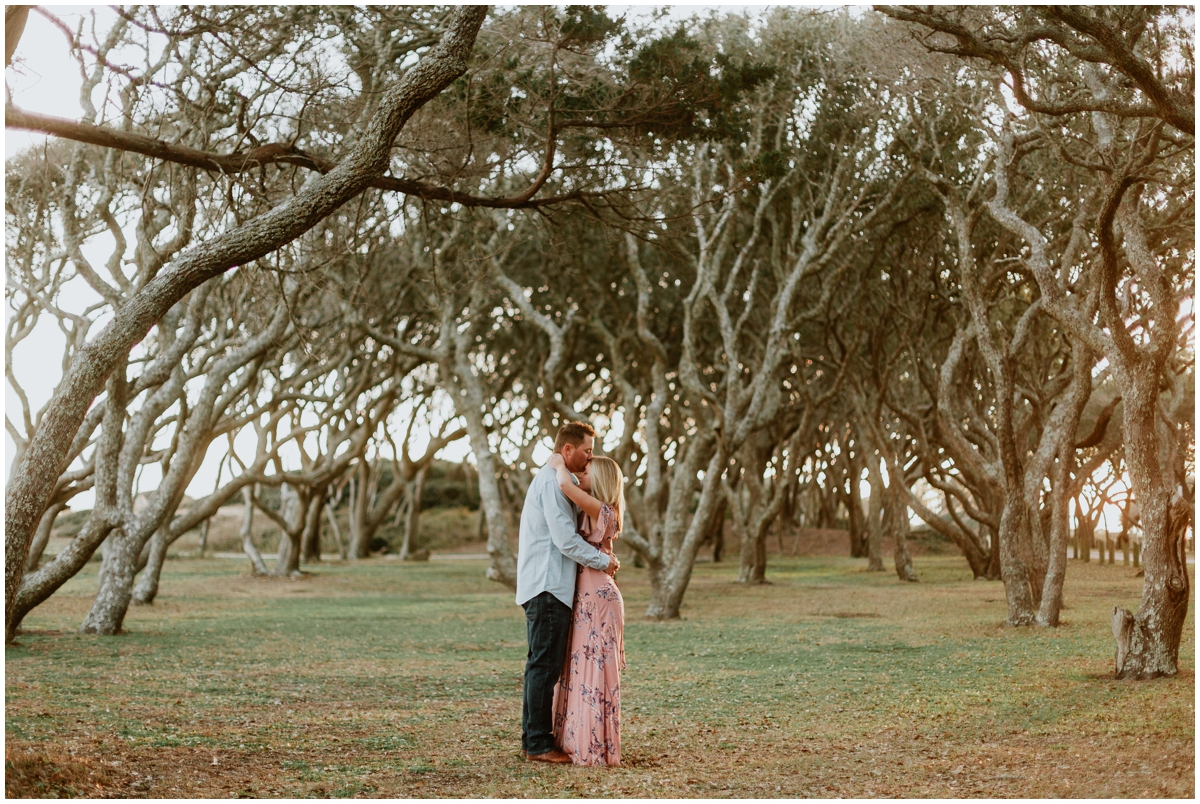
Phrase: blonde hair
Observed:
(608, 485)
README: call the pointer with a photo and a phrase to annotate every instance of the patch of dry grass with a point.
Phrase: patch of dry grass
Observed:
(390, 679)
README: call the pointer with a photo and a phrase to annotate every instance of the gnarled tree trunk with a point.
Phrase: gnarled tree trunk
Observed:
(896, 516)
(668, 585)
(1012, 564)
(503, 567)
(42, 538)
(1148, 642)
(412, 514)
(117, 571)
(257, 565)
(875, 523)
(1060, 533)
(146, 588)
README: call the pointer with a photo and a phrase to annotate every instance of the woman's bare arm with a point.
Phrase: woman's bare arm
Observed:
(586, 502)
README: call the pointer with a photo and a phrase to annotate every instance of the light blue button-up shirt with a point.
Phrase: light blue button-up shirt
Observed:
(550, 547)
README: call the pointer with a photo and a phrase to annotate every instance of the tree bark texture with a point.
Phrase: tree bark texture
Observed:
(470, 404)
(311, 537)
(292, 517)
(1148, 643)
(412, 515)
(39, 585)
(1012, 564)
(15, 18)
(670, 583)
(34, 478)
(875, 523)
(1060, 533)
(360, 492)
(896, 517)
(42, 537)
(146, 588)
(257, 565)
(336, 529)
(854, 518)
(116, 585)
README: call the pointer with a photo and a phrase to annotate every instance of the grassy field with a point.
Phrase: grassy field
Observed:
(391, 679)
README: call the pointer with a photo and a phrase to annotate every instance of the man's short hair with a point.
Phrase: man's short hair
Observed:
(572, 433)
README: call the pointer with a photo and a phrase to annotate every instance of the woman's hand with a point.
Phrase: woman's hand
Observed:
(562, 475)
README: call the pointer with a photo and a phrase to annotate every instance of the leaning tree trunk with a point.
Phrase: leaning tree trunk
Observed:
(146, 588)
(854, 521)
(412, 514)
(1057, 524)
(875, 518)
(758, 566)
(742, 503)
(40, 585)
(896, 516)
(42, 538)
(359, 508)
(753, 569)
(1060, 533)
(33, 481)
(503, 567)
(1012, 565)
(257, 565)
(337, 532)
(993, 561)
(668, 584)
(202, 547)
(752, 559)
(717, 533)
(667, 595)
(1085, 533)
(1148, 642)
(116, 584)
(1036, 579)
(310, 540)
(287, 556)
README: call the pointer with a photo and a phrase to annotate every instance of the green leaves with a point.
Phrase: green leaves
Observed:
(698, 96)
(587, 25)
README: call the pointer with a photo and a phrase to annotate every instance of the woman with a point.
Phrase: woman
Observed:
(587, 700)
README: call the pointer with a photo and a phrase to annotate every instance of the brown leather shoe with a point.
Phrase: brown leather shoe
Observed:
(553, 755)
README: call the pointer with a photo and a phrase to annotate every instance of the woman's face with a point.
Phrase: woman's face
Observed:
(584, 477)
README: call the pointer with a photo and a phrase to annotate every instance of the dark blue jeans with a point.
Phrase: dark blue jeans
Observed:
(548, 629)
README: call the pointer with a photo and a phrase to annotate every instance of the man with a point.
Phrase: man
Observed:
(550, 548)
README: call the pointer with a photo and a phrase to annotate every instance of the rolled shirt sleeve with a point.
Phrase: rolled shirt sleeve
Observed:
(561, 519)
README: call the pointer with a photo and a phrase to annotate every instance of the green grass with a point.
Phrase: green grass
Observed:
(391, 679)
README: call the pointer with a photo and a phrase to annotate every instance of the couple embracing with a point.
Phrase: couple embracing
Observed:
(574, 614)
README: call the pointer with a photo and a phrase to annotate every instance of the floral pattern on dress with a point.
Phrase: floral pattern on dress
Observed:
(587, 698)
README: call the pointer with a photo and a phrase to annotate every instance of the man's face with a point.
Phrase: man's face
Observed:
(576, 458)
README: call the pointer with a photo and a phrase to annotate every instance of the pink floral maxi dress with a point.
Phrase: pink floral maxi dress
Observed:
(587, 698)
